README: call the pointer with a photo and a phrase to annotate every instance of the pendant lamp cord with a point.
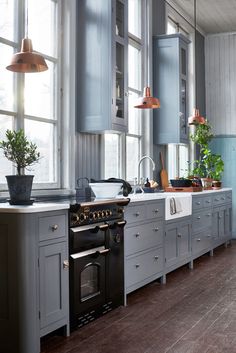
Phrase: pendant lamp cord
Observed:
(195, 48)
(27, 19)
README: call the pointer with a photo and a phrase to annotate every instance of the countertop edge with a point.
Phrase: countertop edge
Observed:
(37, 207)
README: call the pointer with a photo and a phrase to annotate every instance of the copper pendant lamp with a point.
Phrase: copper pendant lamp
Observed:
(196, 118)
(147, 101)
(26, 60)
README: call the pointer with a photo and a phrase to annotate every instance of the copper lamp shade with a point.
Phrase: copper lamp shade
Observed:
(26, 60)
(147, 101)
(196, 118)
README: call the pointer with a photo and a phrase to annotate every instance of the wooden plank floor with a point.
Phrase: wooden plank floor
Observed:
(195, 312)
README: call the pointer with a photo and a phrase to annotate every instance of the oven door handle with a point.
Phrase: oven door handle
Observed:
(121, 223)
(104, 252)
(101, 250)
(92, 228)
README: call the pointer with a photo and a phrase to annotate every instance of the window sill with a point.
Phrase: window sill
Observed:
(45, 195)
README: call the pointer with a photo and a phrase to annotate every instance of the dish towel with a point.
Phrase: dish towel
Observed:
(178, 205)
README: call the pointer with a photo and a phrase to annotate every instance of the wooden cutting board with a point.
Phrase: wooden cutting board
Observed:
(187, 189)
(163, 174)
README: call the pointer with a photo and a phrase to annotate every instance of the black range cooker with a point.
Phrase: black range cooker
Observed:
(96, 249)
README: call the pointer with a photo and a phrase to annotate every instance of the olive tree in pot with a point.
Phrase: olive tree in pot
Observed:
(23, 153)
(209, 166)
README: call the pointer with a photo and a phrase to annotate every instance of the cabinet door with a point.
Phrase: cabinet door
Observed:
(222, 222)
(183, 94)
(184, 240)
(228, 222)
(53, 277)
(171, 249)
(215, 224)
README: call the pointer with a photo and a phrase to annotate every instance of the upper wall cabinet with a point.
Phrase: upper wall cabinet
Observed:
(102, 59)
(170, 84)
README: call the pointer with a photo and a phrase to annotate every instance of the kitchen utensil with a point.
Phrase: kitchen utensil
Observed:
(181, 182)
(163, 173)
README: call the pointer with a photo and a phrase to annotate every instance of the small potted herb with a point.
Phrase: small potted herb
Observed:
(23, 153)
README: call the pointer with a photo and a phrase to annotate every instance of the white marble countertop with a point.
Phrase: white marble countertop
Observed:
(36, 207)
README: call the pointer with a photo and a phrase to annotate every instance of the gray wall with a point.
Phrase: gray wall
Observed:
(158, 27)
(200, 69)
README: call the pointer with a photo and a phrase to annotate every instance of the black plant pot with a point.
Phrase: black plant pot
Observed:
(20, 187)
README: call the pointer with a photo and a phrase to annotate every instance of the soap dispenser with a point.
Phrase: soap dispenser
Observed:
(147, 184)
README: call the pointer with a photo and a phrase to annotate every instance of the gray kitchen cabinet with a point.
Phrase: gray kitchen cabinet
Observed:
(34, 287)
(102, 59)
(177, 243)
(143, 243)
(222, 217)
(170, 85)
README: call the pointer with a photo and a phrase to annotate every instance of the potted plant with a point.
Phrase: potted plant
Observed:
(209, 166)
(23, 153)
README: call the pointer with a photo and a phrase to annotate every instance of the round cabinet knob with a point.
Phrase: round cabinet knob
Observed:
(179, 235)
(54, 227)
(156, 229)
(137, 235)
(198, 203)
(198, 217)
(137, 265)
(156, 210)
(137, 214)
(198, 239)
(156, 257)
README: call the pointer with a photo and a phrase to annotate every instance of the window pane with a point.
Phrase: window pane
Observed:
(183, 161)
(43, 135)
(111, 156)
(172, 161)
(42, 16)
(132, 157)
(40, 92)
(171, 27)
(134, 67)
(134, 115)
(6, 78)
(6, 122)
(7, 19)
(135, 17)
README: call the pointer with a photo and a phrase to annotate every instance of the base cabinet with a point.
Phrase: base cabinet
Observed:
(177, 243)
(35, 291)
(143, 243)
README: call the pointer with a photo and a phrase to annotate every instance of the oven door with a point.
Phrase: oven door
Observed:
(88, 279)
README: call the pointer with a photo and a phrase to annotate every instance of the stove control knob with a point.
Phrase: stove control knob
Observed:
(82, 217)
(103, 213)
(120, 211)
(99, 214)
(74, 218)
(91, 215)
(107, 213)
(95, 215)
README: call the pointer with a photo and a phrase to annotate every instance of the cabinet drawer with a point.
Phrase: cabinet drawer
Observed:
(201, 241)
(202, 220)
(140, 267)
(156, 209)
(201, 202)
(51, 227)
(135, 213)
(219, 199)
(228, 196)
(143, 237)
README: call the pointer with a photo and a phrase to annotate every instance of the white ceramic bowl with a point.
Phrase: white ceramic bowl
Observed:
(105, 190)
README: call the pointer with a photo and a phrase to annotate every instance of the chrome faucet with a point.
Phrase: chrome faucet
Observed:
(139, 164)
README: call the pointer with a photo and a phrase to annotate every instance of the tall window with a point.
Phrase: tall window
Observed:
(123, 152)
(31, 101)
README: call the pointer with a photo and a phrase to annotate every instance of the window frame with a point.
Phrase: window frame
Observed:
(19, 80)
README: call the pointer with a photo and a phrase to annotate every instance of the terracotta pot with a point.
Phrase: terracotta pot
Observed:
(216, 184)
